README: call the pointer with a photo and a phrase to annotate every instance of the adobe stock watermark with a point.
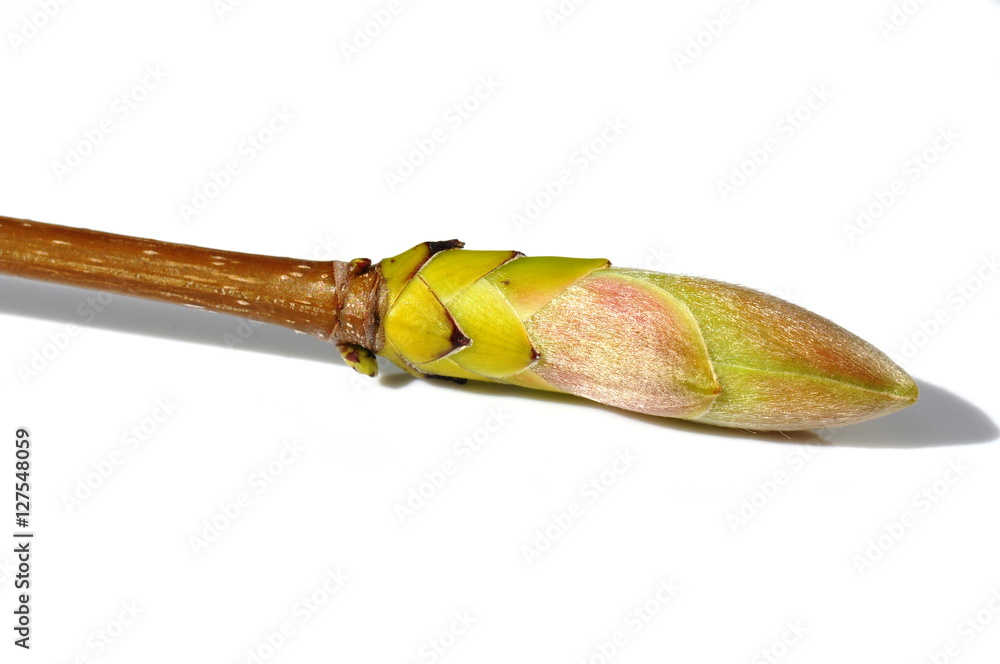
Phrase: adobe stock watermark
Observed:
(899, 15)
(633, 622)
(462, 452)
(249, 149)
(368, 31)
(453, 119)
(301, 612)
(968, 630)
(699, 42)
(911, 171)
(562, 11)
(895, 530)
(34, 23)
(242, 330)
(223, 8)
(130, 441)
(562, 521)
(581, 159)
(245, 328)
(785, 129)
(120, 109)
(657, 258)
(775, 651)
(56, 343)
(768, 489)
(324, 248)
(101, 639)
(956, 300)
(438, 645)
(257, 483)
(361, 384)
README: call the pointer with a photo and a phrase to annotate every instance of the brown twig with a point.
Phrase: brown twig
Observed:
(333, 300)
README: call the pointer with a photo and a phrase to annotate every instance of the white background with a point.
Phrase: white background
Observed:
(811, 575)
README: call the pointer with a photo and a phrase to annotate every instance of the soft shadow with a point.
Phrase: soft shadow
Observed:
(938, 418)
(60, 304)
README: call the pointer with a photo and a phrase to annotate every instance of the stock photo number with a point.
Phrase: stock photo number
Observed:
(22, 538)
